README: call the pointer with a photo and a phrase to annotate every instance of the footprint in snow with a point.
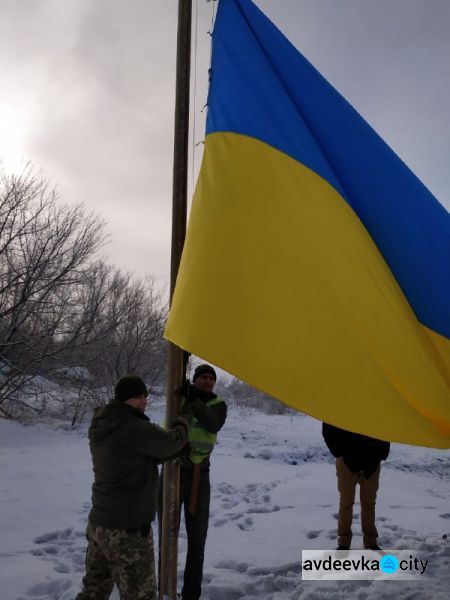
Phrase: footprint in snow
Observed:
(220, 522)
(313, 534)
(62, 568)
(222, 592)
(246, 524)
(52, 550)
(255, 495)
(225, 488)
(280, 571)
(445, 516)
(263, 509)
(228, 503)
(65, 549)
(232, 565)
(235, 516)
(265, 454)
(56, 536)
(49, 589)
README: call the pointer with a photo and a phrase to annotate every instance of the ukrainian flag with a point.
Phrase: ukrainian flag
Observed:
(316, 265)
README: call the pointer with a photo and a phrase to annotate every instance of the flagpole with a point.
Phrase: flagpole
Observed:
(175, 367)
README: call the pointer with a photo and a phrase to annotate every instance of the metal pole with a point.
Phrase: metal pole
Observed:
(176, 369)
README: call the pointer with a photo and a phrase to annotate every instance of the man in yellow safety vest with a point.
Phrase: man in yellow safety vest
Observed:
(209, 414)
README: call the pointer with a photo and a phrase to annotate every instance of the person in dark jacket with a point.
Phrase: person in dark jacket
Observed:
(126, 448)
(209, 414)
(358, 459)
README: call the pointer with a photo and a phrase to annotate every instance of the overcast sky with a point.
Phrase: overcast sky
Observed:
(87, 95)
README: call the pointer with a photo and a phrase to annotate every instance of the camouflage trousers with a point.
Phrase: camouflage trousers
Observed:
(117, 557)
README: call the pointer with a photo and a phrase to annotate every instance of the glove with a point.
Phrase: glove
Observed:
(186, 411)
(188, 391)
(182, 419)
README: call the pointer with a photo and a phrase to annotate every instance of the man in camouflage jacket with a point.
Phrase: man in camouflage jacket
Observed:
(126, 448)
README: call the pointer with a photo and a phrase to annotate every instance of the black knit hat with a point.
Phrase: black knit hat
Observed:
(201, 369)
(128, 387)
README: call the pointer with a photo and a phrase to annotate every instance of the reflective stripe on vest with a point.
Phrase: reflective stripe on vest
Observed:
(202, 441)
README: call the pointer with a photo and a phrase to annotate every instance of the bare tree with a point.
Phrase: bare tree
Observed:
(135, 321)
(247, 398)
(46, 252)
(125, 337)
(70, 325)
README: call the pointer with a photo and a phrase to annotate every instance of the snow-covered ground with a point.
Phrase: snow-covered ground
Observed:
(274, 494)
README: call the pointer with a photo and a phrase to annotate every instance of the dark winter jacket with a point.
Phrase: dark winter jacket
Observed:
(360, 452)
(125, 450)
(211, 418)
